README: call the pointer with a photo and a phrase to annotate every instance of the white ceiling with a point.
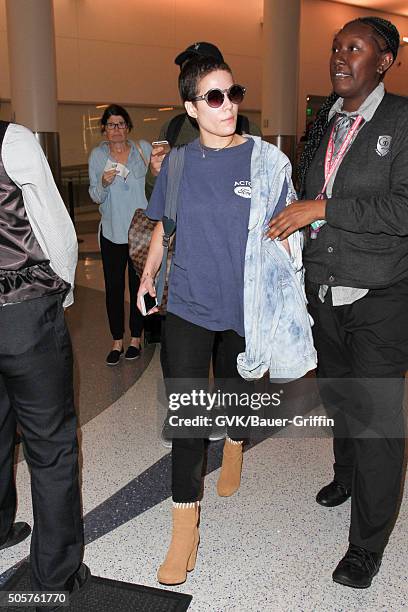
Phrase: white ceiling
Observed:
(399, 7)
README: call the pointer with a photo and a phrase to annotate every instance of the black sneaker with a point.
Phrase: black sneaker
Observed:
(166, 437)
(357, 568)
(113, 358)
(218, 432)
(133, 352)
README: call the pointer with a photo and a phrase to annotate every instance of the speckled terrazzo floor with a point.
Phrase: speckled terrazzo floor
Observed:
(269, 548)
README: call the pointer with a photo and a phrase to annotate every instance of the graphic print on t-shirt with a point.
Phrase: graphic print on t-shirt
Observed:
(206, 283)
(242, 189)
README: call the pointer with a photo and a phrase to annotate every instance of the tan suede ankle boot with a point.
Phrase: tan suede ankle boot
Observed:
(230, 476)
(182, 553)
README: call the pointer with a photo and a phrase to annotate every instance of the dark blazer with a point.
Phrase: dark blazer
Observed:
(365, 240)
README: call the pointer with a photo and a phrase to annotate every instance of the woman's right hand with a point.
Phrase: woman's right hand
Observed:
(146, 286)
(156, 158)
(108, 177)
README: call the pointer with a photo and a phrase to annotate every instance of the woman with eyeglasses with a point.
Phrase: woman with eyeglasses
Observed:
(206, 284)
(354, 189)
(117, 169)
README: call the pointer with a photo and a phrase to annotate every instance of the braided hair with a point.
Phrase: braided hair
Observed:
(386, 30)
(315, 135)
(390, 35)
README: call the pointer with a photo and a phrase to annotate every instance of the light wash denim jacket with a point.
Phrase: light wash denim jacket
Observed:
(278, 331)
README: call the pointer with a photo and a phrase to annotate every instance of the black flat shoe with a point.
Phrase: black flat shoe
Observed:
(133, 352)
(357, 568)
(333, 494)
(18, 533)
(113, 358)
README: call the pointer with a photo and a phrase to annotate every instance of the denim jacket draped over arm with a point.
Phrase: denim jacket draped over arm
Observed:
(278, 331)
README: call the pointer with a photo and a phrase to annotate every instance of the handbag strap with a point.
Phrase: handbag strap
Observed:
(175, 172)
(139, 148)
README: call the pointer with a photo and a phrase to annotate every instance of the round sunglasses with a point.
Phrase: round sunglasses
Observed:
(215, 97)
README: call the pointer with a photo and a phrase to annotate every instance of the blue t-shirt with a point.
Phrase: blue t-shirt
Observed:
(206, 284)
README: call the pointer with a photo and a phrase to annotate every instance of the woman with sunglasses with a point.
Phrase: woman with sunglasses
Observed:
(117, 169)
(354, 181)
(206, 284)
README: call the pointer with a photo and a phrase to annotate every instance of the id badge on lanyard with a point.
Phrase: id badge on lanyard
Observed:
(331, 165)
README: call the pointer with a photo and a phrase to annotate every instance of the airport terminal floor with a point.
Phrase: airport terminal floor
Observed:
(269, 547)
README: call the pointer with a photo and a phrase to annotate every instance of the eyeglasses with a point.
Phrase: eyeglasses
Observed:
(215, 97)
(116, 126)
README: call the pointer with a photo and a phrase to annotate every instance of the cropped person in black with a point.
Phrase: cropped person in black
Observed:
(354, 181)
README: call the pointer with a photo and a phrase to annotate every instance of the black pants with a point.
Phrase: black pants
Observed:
(115, 258)
(188, 350)
(36, 394)
(363, 349)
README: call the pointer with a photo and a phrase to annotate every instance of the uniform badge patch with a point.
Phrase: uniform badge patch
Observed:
(383, 145)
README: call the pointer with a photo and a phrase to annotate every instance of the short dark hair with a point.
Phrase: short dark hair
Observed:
(193, 71)
(115, 109)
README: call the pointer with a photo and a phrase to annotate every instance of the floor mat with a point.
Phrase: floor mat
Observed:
(104, 595)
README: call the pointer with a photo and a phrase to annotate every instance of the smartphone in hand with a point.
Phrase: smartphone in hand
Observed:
(147, 302)
(161, 144)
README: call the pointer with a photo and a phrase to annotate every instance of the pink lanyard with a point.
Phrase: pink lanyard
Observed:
(330, 164)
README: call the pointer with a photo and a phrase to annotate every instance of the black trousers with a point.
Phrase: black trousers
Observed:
(36, 393)
(115, 258)
(188, 350)
(363, 349)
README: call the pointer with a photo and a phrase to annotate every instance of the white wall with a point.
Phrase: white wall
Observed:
(123, 51)
(320, 21)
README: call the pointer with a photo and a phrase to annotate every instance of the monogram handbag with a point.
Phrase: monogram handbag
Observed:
(141, 228)
(140, 234)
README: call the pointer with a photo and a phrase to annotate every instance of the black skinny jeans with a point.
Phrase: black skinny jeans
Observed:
(115, 258)
(188, 350)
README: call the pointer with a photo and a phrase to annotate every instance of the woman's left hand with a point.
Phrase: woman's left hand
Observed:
(296, 216)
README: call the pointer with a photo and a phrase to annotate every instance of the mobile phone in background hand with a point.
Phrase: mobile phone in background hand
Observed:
(147, 302)
(161, 144)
